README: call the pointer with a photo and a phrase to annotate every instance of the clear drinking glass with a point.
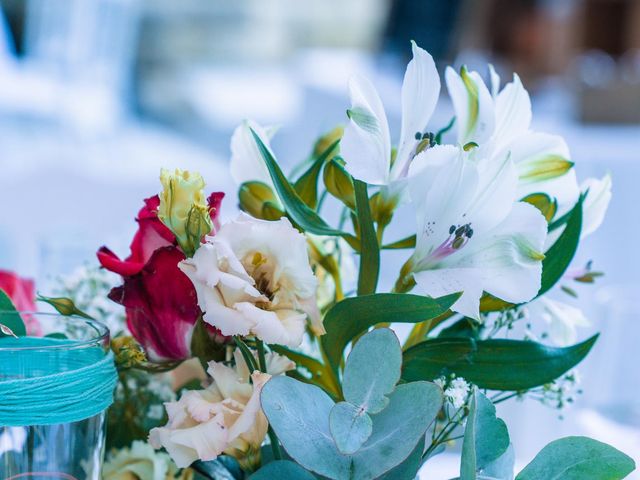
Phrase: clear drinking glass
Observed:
(69, 451)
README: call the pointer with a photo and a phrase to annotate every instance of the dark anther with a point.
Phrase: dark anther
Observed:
(452, 229)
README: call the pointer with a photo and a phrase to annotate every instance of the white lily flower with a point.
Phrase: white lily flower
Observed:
(596, 203)
(499, 122)
(247, 164)
(472, 234)
(254, 278)
(366, 144)
(562, 319)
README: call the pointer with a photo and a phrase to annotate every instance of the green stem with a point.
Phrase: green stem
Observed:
(273, 438)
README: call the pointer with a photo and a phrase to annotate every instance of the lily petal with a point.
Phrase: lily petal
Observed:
(596, 203)
(366, 145)
(473, 106)
(246, 160)
(512, 110)
(420, 92)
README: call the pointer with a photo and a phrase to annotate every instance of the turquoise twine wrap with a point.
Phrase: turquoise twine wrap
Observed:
(53, 385)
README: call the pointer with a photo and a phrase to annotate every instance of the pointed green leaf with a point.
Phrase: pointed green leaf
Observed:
(559, 256)
(497, 364)
(300, 213)
(352, 316)
(485, 436)
(578, 458)
(369, 249)
(307, 184)
(9, 316)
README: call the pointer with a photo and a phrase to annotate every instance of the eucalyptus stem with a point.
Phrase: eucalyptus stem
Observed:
(273, 438)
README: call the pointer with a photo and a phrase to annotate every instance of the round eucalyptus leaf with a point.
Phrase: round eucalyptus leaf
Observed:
(350, 426)
(282, 470)
(365, 385)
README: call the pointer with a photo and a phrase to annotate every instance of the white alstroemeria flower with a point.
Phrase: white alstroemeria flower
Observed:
(472, 234)
(596, 203)
(499, 122)
(247, 164)
(254, 278)
(224, 418)
(563, 320)
(366, 144)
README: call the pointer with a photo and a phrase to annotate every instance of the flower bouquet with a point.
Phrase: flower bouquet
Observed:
(299, 371)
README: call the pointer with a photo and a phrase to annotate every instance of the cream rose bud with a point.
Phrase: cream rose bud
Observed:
(141, 462)
(224, 418)
(183, 207)
(254, 278)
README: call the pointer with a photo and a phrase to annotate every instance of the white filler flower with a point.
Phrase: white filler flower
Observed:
(254, 278)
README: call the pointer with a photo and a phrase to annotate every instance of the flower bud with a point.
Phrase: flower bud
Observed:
(339, 183)
(326, 140)
(127, 352)
(198, 225)
(64, 306)
(182, 191)
(259, 201)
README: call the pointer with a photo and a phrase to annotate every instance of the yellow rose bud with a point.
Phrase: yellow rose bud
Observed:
(182, 192)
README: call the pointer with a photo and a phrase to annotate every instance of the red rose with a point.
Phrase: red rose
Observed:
(161, 305)
(160, 301)
(21, 291)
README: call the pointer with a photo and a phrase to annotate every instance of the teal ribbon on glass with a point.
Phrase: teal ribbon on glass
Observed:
(53, 385)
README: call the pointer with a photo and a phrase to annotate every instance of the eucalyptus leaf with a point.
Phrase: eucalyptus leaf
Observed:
(578, 458)
(408, 469)
(301, 214)
(352, 316)
(282, 470)
(501, 468)
(369, 248)
(350, 426)
(367, 387)
(496, 364)
(10, 317)
(485, 436)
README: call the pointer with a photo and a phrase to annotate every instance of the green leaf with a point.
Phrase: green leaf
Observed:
(408, 242)
(485, 436)
(282, 470)
(299, 411)
(350, 427)
(501, 468)
(300, 213)
(369, 249)
(496, 364)
(10, 317)
(352, 316)
(64, 306)
(307, 184)
(557, 260)
(578, 458)
(367, 387)
(559, 256)
(409, 468)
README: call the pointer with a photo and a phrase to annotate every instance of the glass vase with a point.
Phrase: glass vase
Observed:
(70, 451)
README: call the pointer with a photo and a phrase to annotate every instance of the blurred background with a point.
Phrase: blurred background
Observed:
(96, 97)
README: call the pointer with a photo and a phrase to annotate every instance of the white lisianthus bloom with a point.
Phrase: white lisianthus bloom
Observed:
(224, 418)
(141, 462)
(472, 234)
(254, 278)
(366, 144)
(563, 320)
(596, 203)
(499, 122)
(247, 164)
